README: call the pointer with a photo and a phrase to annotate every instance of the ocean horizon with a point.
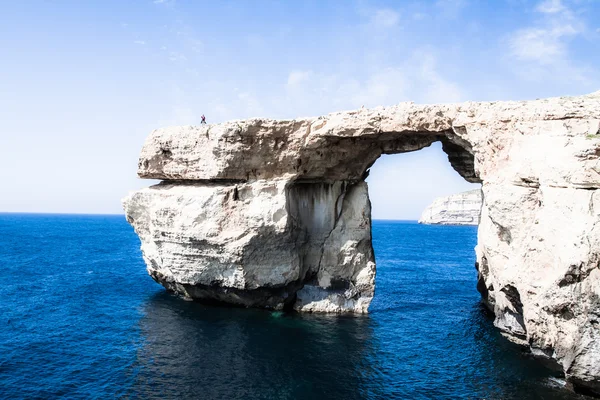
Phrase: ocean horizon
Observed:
(123, 215)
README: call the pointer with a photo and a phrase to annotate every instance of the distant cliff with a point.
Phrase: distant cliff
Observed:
(458, 209)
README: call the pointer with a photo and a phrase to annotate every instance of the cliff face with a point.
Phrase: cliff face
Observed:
(276, 213)
(458, 209)
(269, 243)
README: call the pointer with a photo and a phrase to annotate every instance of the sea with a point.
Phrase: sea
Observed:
(81, 319)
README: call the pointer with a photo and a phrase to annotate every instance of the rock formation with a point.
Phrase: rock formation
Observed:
(276, 213)
(458, 209)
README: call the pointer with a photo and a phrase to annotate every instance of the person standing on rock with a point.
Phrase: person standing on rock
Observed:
(203, 119)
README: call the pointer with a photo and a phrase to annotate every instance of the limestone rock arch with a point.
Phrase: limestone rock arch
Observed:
(271, 214)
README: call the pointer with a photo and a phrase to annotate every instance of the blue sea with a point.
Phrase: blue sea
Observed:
(81, 319)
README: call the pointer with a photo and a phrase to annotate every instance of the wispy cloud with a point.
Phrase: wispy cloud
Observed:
(437, 88)
(550, 6)
(418, 78)
(415, 71)
(543, 50)
(140, 42)
(546, 42)
(165, 2)
(543, 45)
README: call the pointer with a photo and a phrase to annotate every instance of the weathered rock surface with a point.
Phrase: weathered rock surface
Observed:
(457, 209)
(275, 213)
(261, 244)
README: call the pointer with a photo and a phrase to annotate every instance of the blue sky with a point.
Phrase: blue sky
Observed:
(83, 83)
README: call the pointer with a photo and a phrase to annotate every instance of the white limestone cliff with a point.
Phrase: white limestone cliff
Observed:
(276, 214)
(262, 244)
(457, 209)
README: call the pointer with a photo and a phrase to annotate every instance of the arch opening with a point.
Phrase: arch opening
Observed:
(332, 220)
(402, 185)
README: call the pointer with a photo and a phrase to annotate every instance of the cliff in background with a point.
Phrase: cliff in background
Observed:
(458, 209)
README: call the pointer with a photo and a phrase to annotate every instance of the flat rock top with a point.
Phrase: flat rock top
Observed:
(343, 145)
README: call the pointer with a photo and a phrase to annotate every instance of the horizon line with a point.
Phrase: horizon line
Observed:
(123, 214)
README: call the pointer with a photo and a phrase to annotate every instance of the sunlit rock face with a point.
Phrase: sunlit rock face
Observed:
(457, 209)
(269, 243)
(276, 214)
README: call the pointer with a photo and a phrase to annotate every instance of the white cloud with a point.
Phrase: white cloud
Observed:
(165, 2)
(139, 42)
(543, 45)
(550, 6)
(383, 87)
(542, 50)
(309, 93)
(547, 41)
(437, 89)
(418, 78)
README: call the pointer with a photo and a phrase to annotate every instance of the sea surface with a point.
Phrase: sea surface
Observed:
(81, 319)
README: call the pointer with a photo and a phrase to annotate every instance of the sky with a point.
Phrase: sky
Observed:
(82, 83)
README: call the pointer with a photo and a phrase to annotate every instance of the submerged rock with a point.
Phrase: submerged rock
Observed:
(457, 209)
(275, 214)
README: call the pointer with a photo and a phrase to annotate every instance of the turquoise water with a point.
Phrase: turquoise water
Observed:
(80, 318)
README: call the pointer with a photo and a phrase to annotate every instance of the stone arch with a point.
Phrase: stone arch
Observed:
(332, 219)
(240, 203)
